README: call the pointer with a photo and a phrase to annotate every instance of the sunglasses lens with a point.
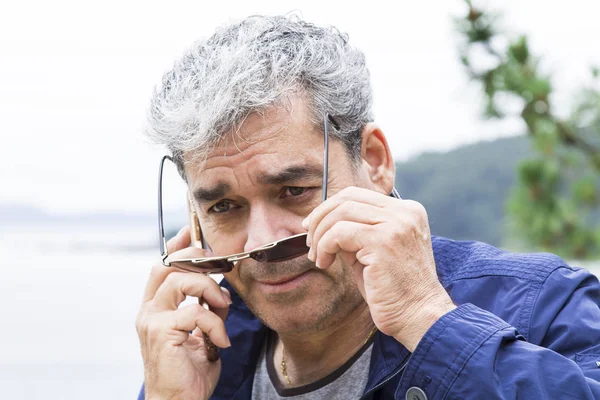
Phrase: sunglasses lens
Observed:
(286, 249)
(194, 259)
(204, 267)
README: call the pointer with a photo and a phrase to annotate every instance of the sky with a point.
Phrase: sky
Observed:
(76, 78)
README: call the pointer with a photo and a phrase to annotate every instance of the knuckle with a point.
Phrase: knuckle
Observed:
(402, 229)
(351, 191)
(182, 318)
(318, 234)
(417, 209)
(211, 325)
(206, 318)
(175, 280)
(338, 227)
(414, 225)
(142, 319)
(345, 193)
(349, 208)
(171, 279)
(356, 235)
(202, 282)
(187, 286)
(342, 193)
(199, 312)
(152, 328)
(140, 325)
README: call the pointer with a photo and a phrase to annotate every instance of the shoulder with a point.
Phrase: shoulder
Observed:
(471, 259)
(524, 289)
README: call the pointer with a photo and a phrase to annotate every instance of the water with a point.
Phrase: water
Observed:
(67, 316)
(68, 301)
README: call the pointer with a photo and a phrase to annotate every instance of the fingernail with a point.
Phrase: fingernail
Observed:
(308, 240)
(228, 342)
(317, 264)
(226, 295)
(306, 222)
(310, 254)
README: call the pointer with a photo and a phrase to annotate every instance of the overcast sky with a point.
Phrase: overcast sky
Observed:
(75, 79)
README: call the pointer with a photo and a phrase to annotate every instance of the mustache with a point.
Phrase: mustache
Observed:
(269, 271)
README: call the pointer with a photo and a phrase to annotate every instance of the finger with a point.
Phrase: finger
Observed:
(212, 353)
(193, 316)
(349, 258)
(347, 211)
(159, 272)
(180, 241)
(189, 253)
(178, 285)
(220, 311)
(344, 236)
(348, 194)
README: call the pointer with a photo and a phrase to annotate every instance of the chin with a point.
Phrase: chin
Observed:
(291, 316)
(314, 313)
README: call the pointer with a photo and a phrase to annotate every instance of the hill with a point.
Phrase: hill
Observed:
(465, 190)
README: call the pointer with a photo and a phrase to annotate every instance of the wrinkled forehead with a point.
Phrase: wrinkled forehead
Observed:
(271, 138)
(287, 157)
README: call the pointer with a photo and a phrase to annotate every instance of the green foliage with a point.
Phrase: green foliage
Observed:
(556, 201)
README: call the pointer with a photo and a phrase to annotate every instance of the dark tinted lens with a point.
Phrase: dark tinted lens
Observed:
(284, 250)
(205, 267)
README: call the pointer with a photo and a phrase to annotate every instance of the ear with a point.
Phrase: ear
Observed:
(377, 158)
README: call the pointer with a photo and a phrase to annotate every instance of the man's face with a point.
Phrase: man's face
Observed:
(256, 188)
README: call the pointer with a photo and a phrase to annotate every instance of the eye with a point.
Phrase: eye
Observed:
(221, 207)
(294, 191)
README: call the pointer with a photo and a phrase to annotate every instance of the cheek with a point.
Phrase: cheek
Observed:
(223, 242)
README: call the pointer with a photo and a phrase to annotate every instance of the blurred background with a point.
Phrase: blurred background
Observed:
(492, 110)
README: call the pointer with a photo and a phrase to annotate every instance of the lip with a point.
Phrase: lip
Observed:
(284, 284)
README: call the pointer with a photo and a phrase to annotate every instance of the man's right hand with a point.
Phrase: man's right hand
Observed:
(175, 361)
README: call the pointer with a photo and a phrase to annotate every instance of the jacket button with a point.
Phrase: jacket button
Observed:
(415, 393)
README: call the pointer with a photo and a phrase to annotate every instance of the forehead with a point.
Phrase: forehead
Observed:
(265, 142)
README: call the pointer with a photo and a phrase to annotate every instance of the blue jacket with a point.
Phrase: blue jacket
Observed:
(527, 326)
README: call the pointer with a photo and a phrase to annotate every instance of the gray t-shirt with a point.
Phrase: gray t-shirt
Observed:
(347, 382)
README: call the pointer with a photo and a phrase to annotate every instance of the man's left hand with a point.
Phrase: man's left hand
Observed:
(388, 244)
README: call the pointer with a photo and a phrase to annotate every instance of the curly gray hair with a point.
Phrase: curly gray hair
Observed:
(255, 64)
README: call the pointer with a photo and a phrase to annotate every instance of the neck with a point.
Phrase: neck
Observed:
(310, 357)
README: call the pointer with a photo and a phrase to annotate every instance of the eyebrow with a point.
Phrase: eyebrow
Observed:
(292, 173)
(211, 194)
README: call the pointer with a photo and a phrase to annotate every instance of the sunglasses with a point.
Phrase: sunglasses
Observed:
(280, 250)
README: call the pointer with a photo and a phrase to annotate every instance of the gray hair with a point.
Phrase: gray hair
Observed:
(255, 64)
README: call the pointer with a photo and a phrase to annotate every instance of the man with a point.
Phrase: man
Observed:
(378, 309)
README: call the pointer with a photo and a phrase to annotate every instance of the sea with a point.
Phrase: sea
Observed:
(69, 296)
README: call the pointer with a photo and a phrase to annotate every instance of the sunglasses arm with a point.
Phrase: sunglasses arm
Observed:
(395, 194)
(164, 257)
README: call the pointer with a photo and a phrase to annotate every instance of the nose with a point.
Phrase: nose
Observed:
(267, 224)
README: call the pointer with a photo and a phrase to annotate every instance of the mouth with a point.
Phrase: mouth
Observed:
(285, 283)
(280, 281)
